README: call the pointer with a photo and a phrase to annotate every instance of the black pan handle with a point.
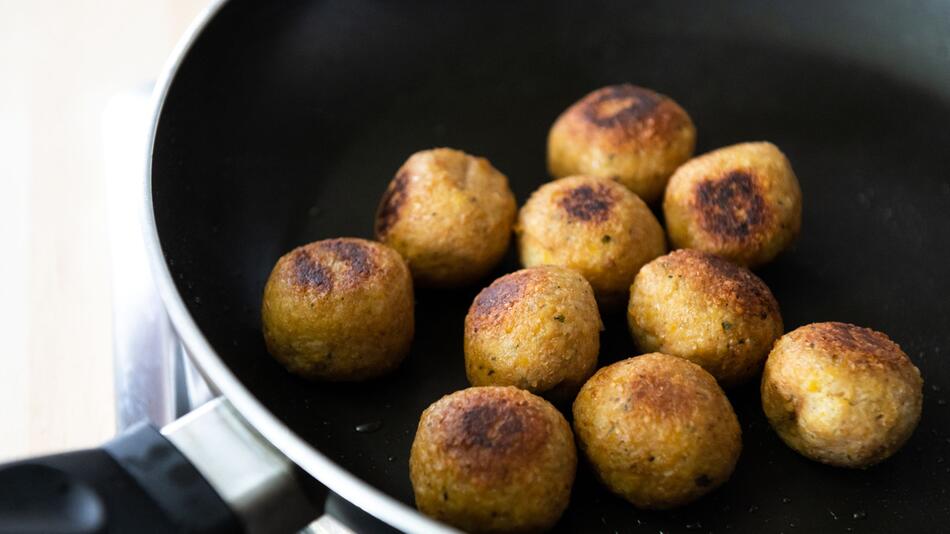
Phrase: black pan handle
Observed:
(208, 472)
(138, 482)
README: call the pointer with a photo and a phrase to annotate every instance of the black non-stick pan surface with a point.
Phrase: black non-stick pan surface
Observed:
(287, 119)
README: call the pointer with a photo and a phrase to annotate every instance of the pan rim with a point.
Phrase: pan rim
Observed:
(219, 376)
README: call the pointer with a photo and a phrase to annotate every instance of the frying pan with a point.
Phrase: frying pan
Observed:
(281, 123)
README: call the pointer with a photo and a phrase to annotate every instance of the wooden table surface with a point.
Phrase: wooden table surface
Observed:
(60, 63)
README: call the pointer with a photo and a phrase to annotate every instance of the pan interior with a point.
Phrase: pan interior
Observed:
(287, 120)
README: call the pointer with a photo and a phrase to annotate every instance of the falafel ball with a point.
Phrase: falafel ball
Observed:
(450, 216)
(339, 310)
(703, 308)
(493, 459)
(592, 225)
(537, 328)
(634, 135)
(657, 430)
(742, 202)
(841, 394)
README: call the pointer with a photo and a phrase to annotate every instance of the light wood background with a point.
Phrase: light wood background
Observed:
(60, 63)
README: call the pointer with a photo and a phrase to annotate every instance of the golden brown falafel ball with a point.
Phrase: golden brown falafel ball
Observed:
(741, 202)
(625, 132)
(658, 430)
(701, 307)
(592, 225)
(493, 459)
(537, 328)
(339, 309)
(841, 394)
(449, 214)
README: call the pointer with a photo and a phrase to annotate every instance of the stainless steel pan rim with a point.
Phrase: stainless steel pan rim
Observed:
(217, 373)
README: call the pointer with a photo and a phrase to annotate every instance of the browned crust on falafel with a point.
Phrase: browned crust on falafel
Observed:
(626, 114)
(742, 202)
(728, 284)
(393, 199)
(619, 104)
(313, 265)
(357, 256)
(308, 273)
(731, 206)
(861, 347)
(667, 385)
(589, 202)
(488, 430)
(665, 395)
(493, 302)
